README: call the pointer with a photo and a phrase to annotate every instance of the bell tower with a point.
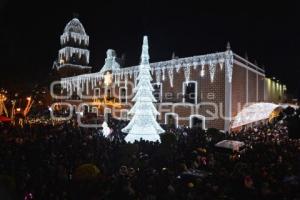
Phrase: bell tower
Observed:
(74, 56)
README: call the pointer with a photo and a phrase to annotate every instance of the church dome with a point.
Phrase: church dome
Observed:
(75, 26)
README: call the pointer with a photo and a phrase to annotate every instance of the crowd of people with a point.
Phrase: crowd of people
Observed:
(64, 161)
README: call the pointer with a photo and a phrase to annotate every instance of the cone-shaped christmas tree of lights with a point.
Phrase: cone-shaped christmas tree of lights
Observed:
(143, 124)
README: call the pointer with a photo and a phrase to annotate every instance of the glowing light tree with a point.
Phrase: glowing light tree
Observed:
(143, 124)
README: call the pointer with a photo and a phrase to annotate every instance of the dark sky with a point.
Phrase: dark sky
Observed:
(269, 33)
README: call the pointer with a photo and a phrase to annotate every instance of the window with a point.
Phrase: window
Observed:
(124, 114)
(108, 93)
(123, 95)
(171, 119)
(95, 110)
(197, 121)
(190, 92)
(107, 114)
(85, 109)
(157, 93)
(97, 92)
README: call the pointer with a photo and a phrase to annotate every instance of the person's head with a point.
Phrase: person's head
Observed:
(123, 170)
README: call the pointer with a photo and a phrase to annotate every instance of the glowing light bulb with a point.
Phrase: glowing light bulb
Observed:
(108, 79)
(202, 73)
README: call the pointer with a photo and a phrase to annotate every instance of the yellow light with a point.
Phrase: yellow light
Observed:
(106, 102)
(2, 97)
(18, 109)
(28, 98)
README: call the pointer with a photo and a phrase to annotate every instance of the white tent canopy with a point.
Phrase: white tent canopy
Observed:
(230, 144)
(285, 105)
(253, 113)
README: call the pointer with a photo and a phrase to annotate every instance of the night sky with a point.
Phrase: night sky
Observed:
(268, 33)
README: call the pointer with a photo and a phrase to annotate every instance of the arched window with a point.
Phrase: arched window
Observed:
(95, 110)
(123, 94)
(97, 92)
(124, 114)
(107, 113)
(171, 119)
(157, 93)
(108, 93)
(197, 121)
(84, 109)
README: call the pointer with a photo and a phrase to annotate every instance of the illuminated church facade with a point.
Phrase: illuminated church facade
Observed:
(205, 91)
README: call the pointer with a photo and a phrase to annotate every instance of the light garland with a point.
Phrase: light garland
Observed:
(158, 69)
